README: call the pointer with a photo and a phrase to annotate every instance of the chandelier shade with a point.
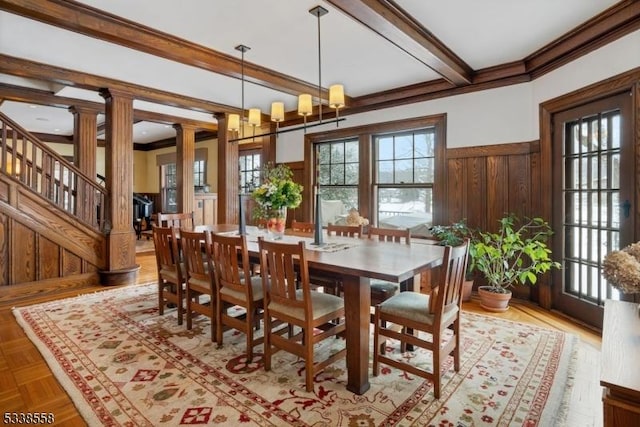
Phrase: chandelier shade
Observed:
(305, 101)
(233, 122)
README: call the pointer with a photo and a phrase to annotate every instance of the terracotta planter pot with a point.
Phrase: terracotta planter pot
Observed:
(467, 287)
(492, 301)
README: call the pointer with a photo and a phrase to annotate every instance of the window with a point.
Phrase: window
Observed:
(169, 188)
(338, 177)
(168, 177)
(404, 166)
(393, 173)
(199, 173)
(249, 166)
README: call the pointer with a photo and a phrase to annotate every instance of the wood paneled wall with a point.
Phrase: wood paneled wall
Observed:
(484, 183)
(42, 249)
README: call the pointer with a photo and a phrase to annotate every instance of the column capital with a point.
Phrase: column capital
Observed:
(108, 93)
(184, 127)
(83, 109)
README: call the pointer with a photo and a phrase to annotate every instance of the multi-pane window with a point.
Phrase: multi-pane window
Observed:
(169, 188)
(250, 164)
(404, 178)
(338, 178)
(199, 173)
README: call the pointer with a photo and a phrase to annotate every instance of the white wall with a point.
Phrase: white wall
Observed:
(495, 116)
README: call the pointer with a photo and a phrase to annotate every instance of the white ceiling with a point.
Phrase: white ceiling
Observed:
(283, 37)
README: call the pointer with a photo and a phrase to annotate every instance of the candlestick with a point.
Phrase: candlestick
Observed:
(318, 228)
(242, 229)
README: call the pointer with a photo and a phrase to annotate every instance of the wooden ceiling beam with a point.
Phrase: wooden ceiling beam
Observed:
(43, 97)
(390, 21)
(35, 70)
(613, 23)
(83, 19)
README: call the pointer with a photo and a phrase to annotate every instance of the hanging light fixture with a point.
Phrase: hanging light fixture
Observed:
(235, 122)
(305, 100)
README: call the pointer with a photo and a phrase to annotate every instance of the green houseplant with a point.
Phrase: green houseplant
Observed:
(516, 254)
(453, 235)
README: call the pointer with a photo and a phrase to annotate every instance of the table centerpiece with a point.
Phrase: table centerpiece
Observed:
(277, 193)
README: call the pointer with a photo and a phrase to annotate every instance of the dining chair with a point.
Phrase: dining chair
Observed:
(170, 269)
(183, 221)
(382, 290)
(200, 288)
(435, 318)
(344, 230)
(236, 287)
(302, 227)
(315, 316)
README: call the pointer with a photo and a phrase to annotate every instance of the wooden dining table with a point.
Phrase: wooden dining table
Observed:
(355, 262)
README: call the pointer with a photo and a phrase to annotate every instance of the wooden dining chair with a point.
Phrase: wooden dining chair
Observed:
(236, 287)
(344, 230)
(435, 317)
(200, 287)
(183, 221)
(306, 310)
(170, 269)
(302, 227)
(382, 290)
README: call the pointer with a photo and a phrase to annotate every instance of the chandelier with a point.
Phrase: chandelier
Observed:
(236, 122)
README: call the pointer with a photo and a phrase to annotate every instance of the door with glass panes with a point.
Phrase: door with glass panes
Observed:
(593, 170)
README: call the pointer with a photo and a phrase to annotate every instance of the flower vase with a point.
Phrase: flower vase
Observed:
(276, 223)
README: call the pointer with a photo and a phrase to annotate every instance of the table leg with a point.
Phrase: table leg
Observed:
(357, 299)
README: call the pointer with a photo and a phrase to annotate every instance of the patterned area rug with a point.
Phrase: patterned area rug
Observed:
(122, 364)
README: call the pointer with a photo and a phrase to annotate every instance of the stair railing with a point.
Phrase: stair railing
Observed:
(28, 160)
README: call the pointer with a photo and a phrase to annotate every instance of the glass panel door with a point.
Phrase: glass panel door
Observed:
(593, 157)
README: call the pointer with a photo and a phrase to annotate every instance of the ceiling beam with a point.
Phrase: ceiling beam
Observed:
(43, 97)
(390, 21)
(35, 70)
(83, 19)
(620, 19)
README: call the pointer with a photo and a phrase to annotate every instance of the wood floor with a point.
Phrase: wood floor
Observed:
(28, 385)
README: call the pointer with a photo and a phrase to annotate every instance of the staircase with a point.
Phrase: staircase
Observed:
(52, 219)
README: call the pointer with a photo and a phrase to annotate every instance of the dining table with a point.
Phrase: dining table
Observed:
(355, 262)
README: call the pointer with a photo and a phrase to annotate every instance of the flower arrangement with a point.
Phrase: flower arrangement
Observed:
(622, 269)
(277, 192)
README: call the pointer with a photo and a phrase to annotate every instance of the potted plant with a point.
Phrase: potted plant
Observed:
(277, 193)
(516, 253)
(453, 235)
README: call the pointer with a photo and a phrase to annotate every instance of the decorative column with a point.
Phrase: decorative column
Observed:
(121, 240)
(85, 142)
(228, 175)
(185, 156)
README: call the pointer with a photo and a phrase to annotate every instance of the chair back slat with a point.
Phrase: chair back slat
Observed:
(196, 256)
(231, 262)
(397, 235)
(278, 265)
(165, 241)
(302, 227)
(183, 221)
(452, 275)
(344, 230)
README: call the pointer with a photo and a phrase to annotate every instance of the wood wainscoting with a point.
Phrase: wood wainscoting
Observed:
(43, 250)
(485, 182)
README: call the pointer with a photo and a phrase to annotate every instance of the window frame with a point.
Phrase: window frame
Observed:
(365, 134)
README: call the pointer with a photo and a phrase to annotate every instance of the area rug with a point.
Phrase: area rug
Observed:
(123, 364)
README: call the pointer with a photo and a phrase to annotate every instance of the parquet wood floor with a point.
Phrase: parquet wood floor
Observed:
(28, 385)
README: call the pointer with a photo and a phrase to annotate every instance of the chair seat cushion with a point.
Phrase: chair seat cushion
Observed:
(382, 290)
(170, 272)
(322, 304)
(256, 287)
(414, 306)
